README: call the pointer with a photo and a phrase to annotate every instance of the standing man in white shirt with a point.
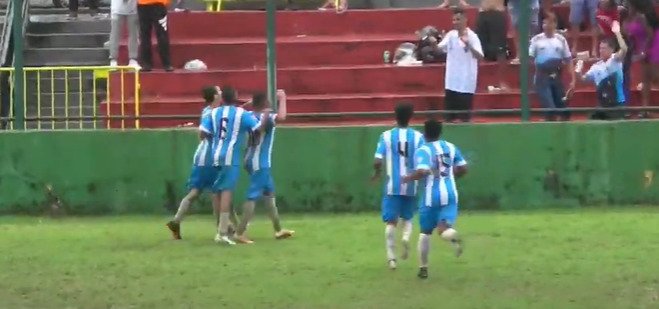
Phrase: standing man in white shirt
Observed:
(463, 50)
(124, 12)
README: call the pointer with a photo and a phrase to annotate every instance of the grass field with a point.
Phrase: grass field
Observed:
(598, 258)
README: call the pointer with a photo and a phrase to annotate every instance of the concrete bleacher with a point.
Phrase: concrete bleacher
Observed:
(327, 62)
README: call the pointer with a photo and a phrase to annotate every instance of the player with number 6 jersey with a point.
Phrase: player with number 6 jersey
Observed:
(395, 150)
(437, 164)
(228, 125)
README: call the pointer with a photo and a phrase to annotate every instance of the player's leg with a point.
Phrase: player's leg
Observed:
(271, 204)
(428, 218)
(406, 214)
(447, 216)
(175, 224)
(200, 179)
(225, 184)
(390, 212)
(254, 192)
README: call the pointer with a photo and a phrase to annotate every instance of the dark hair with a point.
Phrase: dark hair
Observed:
(458, 10)
(259, 99)
(612, 4)
(228, 95)
(404, 112)
(550, 16)
(646, 7)
(613, 43)
(209, 93)
(432, 130)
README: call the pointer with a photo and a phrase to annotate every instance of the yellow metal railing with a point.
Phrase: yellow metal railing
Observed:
(56, 88)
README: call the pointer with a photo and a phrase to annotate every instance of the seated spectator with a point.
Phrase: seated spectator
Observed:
(446, 3)
(340, 5)
(426, 49)
(580, 12)
(492, 30)
(607, 74)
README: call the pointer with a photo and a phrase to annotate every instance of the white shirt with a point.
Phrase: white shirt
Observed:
(600, 70)
(123, 7)
(461, 65)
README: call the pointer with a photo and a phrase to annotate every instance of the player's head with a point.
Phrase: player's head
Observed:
(607, 48)
(404, 112)
(459, 19)
(210, 94)
(432, 130)
(549, 23)
(260, 101)
(229, 96)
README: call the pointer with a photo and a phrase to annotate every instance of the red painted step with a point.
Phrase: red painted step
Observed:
(234, 24)
(291, 51)
(323, 80)
(365, 103)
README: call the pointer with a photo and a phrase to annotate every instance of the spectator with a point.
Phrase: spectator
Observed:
(492, 30)
(607, 74)
(607, 13)
(551, 53)
(579, 9)
(463, 50)
(514, 10)
(123, 12)
(627, 63)
(446, 3)
(426, 49)
(74, 4)
(546, 7)
(153, 14)
(643, 29)
(340, 5)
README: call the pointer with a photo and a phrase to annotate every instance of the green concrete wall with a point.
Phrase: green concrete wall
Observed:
(512, 166)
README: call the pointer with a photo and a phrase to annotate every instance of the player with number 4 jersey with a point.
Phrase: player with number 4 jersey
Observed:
(228, 125)
(395, 150)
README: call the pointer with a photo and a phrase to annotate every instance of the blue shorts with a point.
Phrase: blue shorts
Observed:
(227, 178)
(260, 184)
(514, 11)
(398, 206)
(579, 9)
(202, 177)
(431, 216)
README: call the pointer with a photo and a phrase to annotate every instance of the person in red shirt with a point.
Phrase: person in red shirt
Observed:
(607, 13)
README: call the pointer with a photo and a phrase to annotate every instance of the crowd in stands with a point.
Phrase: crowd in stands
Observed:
(620, 33)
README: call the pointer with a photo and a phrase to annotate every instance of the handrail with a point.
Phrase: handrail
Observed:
(6, 33)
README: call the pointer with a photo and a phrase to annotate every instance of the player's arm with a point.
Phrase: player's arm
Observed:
(421, 165)
(459, 164)
(253, 125)
(281, 111)
(380, 151)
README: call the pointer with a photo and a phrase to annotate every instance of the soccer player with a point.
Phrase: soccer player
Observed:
(437, 164)
(228, 125)
(203, 173)
(396, 149)
(258, 163)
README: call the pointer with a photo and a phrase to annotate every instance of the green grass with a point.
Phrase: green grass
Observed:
(580, 259)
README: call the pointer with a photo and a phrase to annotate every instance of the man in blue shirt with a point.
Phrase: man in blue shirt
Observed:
(203, 172)
(551, 53)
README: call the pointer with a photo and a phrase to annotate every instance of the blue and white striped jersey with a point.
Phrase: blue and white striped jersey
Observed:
(438, 188)
(229, 126)
(203, 156)
(397, 147)
(259, 153)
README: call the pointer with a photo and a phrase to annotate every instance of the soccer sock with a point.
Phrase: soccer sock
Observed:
(407, 230)
(273, 213)
(424, 247)
(248, 213)
(390, 241)
(223, 227)
(451, 235)
(233, 216)
(182, 209)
